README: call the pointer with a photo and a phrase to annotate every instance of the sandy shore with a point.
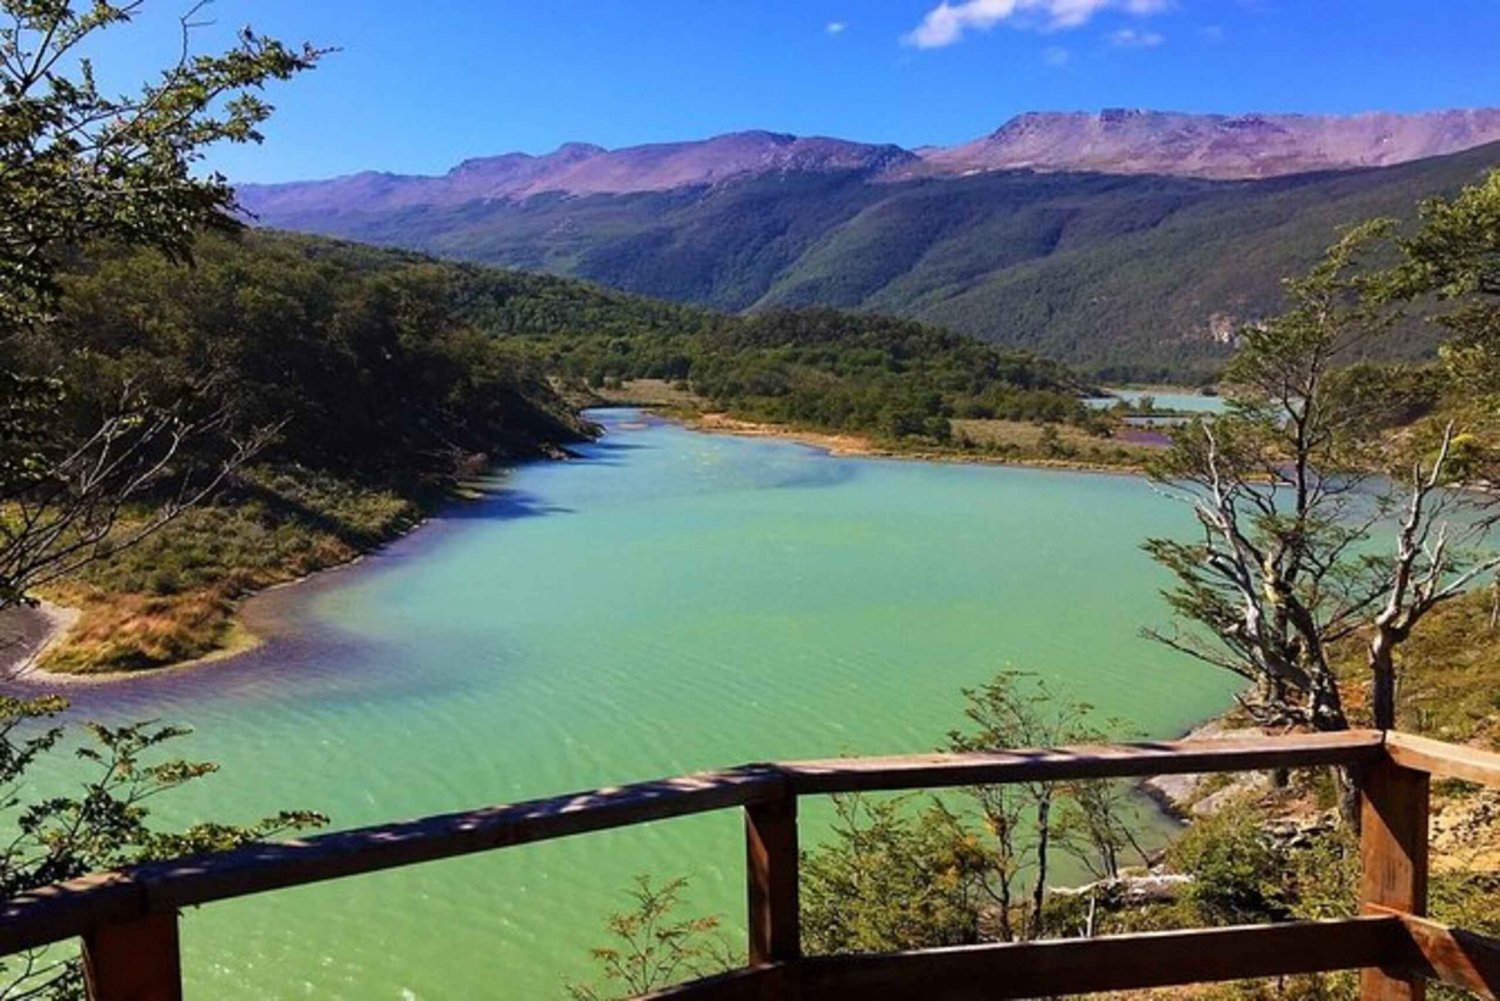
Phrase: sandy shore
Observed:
(857, 446)
(26, 634)
(834, 444)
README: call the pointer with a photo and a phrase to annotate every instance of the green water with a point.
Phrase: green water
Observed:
(674, 602)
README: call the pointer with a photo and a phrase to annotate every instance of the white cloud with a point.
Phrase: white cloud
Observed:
(946, 23)
(837, 27)
(1055, 56)
(1129, 38)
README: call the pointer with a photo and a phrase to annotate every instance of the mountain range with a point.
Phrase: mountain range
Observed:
(1132, 240)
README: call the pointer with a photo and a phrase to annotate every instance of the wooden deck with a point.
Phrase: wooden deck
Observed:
(127, 920)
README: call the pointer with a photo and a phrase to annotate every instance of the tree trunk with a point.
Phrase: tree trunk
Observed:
(1347, 780)
(1039, 891)
(1007, 932)
(1383, 681)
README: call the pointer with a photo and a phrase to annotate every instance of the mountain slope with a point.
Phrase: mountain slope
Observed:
(1114, 141)
(582, 169)
(1132, 275)
(1145, 276)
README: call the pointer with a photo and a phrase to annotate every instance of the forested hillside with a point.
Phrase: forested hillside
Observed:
(1138, 276)
(398, 368)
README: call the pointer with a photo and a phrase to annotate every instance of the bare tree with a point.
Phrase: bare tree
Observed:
(1304, 545)
(71, 501)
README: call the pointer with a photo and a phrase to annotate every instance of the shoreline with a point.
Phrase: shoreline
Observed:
(845, 445)
(20, 668)
(29, 632)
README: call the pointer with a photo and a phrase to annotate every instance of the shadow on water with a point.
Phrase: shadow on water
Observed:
(303, 657)
(303, 662)
(607, 452)
(501, 504)
(608, 446)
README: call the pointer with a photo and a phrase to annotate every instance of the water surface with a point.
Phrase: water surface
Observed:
(1194, 403)
(671, 602)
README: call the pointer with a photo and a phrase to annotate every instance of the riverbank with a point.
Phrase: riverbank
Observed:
(27, 633)
(1024, 439)
(1030, 444)
(1450, 672)
(175, 602)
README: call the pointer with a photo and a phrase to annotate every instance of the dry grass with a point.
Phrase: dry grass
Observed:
(173, 597)
(651, 393)
(128, 632)
(1026, 439)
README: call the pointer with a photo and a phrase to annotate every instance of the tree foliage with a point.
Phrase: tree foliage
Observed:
(896, 875)
(653, 947)
(105, 824)
(1029, 822)
(77, 166)
(893, 876)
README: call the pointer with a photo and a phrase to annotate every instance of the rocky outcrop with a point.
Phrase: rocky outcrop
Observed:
(1223, 147)
(1203, 795)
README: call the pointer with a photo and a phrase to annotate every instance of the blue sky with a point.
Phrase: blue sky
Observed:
(419, 87)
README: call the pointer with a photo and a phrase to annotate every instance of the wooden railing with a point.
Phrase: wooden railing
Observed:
(128, 919)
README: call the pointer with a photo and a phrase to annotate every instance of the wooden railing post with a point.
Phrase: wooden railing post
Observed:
(134, 961)
(1393, 860)
(771, 870)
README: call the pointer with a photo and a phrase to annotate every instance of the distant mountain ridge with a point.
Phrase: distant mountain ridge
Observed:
(1114, 141)
(1222, 147)
(1128, 271)
(583, 169)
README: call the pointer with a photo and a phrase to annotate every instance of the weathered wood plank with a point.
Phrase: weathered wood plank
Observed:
(1461, 958)
(68, 909)
(928, 771)
(65, 910)
(1393, 863)
(1121, 962)
(771, 875)
(254, 870)
(134, 961)
(1444, 760)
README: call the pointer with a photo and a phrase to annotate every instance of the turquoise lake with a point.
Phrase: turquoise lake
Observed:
(671, 601)
(1187, 402)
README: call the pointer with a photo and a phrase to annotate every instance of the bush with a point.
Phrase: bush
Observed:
(1235, 869)
(894, 877)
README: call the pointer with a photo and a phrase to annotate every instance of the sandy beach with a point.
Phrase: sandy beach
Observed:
(26, 633)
